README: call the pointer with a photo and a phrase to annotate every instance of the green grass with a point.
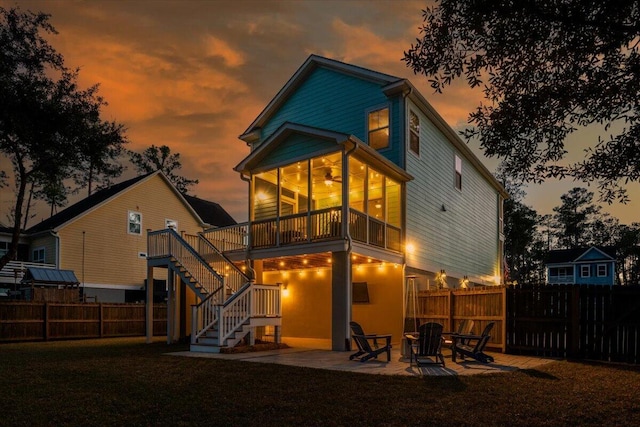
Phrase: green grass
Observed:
(127, 383)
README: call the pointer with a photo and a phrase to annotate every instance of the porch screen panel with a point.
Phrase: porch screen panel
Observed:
(357, 180)
(326, 190)
(394, 205)
(376, 201)
(265, 192)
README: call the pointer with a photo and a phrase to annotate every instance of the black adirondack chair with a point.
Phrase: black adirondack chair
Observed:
(363, 341)
(472, 345)
(464, 328)
(426, 348)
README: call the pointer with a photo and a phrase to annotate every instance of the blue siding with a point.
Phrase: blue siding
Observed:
(296, 147)
(339, 102)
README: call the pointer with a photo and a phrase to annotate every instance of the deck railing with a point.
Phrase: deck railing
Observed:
(234, 278)
(14, 271)
(325, 224)
(231, 238)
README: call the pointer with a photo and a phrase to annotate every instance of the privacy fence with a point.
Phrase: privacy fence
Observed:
(29, 321)
(567, 321)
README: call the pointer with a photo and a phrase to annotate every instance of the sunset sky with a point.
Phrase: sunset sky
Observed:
(194, 74)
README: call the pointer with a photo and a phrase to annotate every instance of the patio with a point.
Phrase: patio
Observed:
(339, 361)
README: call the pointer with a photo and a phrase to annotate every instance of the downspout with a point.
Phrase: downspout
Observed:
(251, 273)
(405, 95)
(348, 233)
(57, 237)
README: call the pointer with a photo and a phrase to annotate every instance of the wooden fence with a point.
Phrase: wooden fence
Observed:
(449, 306)
(575, 321)
(31, 321)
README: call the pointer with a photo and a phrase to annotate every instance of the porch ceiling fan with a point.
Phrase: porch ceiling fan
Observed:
(329, 178)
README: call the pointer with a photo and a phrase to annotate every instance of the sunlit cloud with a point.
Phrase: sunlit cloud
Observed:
(215, 47)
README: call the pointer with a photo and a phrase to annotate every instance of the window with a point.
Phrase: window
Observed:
(171, 223)
(458, 173)
(561, 273)
(135, 223)
(379, 129)
(602, 270)
(585, 271)
(4, 248)
(414, 133)
(39, 255)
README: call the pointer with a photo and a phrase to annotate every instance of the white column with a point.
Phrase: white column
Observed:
(149, 304)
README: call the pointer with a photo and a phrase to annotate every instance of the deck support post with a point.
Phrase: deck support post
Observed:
(171, 302)
(340, 301)
(149, 316)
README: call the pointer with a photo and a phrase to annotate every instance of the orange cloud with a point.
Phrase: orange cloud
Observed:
(216, 47)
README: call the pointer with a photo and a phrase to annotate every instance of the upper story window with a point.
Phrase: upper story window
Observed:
(585, 271)
(458, 173)
(134, 225)
(38, 255)
(414, 133)
(379, 128)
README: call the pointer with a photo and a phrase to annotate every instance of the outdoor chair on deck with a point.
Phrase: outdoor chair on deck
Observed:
(426, 348)
(363, 341)
(472, 345)
(464, 328)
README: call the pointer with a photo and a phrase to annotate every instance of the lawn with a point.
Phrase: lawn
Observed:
(128, 383)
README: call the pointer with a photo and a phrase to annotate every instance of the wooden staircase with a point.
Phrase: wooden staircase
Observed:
(229, 306)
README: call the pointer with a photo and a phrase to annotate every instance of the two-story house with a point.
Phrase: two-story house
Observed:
(102, 238)
(356, 185)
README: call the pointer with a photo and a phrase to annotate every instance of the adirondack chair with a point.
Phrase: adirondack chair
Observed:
(464, 328)
(363, 341)
(472, 345)
(427, 346)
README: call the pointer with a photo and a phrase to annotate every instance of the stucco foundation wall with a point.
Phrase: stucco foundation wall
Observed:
(383, 315)
(306, 307)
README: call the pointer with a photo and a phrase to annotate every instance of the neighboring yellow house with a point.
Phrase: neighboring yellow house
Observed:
(103, 238)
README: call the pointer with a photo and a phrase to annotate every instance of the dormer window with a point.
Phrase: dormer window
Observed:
(379, 128)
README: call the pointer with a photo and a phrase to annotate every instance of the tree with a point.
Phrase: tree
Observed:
(546, 68)
(573, 218)
(44, 115)
(160, 158)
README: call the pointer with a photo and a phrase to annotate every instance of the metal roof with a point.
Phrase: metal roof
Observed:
(50, 275)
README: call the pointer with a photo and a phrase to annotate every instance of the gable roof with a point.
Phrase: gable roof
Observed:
(84, 205)
(369, 154)
(566, 256)
(100, 197)
(210, 212)
(390, 85)
(311, 63)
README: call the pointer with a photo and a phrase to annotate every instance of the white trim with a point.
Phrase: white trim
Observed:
(109, 286)
(598, 270)
(418, 154)
(44, 255)
(367, 112)
(129, 212)
(582, 269)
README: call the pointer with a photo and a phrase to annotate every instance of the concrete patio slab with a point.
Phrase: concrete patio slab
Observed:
(339, 361)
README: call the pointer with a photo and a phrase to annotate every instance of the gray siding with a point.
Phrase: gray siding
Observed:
(463, 240)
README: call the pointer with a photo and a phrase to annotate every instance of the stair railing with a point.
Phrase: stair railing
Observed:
(168, 243)
(250, 301)
(203, 316)
(234, 277)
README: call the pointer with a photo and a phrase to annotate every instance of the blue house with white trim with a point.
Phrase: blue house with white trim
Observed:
(583, 266)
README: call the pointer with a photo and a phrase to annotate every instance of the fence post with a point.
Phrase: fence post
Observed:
(101, 308)
(451, 309)
(574, 322)
(45, 315)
